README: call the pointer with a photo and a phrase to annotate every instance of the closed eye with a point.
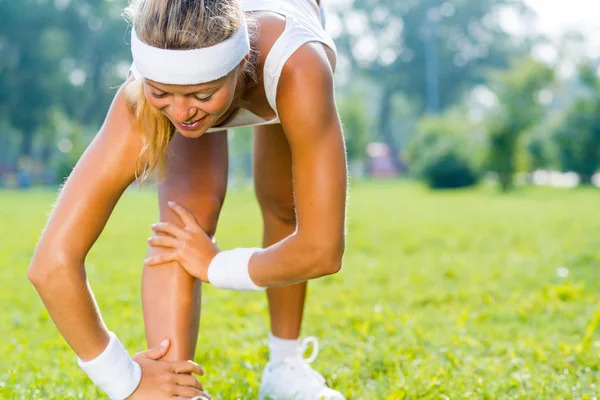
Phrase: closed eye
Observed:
(204, 99)
(159, 96)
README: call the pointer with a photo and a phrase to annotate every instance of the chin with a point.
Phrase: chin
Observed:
(191, 134)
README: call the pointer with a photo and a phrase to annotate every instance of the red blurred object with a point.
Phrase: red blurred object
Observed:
(380, 162)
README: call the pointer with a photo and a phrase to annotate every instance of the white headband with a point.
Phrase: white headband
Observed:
(189, 67)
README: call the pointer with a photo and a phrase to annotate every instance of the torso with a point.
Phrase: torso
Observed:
(254, 98)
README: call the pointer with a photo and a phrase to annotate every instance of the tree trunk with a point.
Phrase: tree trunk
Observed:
(385, 127)
(585, 179)
(27, 143)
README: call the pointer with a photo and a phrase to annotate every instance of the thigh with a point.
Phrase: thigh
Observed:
(273, 180)
(196, 178)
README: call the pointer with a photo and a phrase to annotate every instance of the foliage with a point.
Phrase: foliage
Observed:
(357, 125)
(66, 61)
(443, 152)
(517, 90)
(540, 148)
(240, 156)
(578, 135)
(429, 51)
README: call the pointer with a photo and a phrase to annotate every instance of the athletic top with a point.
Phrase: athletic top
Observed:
(304, 24)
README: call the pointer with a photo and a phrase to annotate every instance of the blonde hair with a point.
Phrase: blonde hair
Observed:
(177, 25)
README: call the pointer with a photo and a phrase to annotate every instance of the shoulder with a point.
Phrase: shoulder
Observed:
(268, 28)
(306, 83)
(121, 125)
(309, 64)
(124, 104)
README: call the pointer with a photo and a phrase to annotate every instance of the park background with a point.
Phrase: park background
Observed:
(471, 270)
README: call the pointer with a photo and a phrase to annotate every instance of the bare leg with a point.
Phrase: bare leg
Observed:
(274, 190)
(196, 178)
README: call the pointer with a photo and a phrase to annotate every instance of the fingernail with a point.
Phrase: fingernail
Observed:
(171, 203)
(164, 343)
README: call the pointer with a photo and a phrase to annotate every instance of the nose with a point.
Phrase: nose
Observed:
(181, 111)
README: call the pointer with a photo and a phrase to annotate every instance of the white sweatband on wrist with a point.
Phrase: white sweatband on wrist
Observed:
(113, 371)
(229, 270)
(190, 67)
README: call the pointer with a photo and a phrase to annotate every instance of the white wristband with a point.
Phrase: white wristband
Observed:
(229, 270)
(113, 370)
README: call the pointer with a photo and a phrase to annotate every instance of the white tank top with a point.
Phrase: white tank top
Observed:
(304, 24)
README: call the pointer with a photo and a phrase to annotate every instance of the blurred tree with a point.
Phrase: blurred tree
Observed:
(540, 149)
(240, 153)
(426, 50)
(518, 91)
(357, 125)
(578, 135)
(445, 151)
(58, 55)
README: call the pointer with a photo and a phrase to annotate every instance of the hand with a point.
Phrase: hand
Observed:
(190, 246)
(166, 379)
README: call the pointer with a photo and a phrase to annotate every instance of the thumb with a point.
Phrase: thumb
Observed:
(157, 353)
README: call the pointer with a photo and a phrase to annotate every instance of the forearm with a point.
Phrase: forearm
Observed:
(71, 305)
(295, 259)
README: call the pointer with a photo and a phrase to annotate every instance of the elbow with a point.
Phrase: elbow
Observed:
(328, 259)
(40, 274)
(43, 271)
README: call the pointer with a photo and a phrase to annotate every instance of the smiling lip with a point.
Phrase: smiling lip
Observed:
(191, 127)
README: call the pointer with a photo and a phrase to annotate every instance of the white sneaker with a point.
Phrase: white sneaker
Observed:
(294, 379)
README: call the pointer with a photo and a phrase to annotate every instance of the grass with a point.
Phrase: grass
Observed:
(447, 295)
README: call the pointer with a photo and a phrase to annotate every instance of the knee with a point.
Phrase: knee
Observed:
(206, 211)
(280, 210)
(205, 208)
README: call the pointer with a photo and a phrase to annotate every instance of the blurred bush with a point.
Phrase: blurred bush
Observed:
(357, 123)
(444, 152)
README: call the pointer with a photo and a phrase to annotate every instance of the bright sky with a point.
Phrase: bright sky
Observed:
(555, 18)
(559, 15)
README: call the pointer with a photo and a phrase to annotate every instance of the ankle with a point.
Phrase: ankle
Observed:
(280, 349)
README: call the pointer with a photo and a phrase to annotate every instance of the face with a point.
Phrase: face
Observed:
(192, 108)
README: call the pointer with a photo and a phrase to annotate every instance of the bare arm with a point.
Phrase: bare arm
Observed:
(310, 120)
(83, 207)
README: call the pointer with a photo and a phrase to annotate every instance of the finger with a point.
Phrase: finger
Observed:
(164, 241)
(188, 380)
(203, 396)
(170, 229)
(186, 216)
(157, 352)
(186, 391)
(161, 259)
(185, 367)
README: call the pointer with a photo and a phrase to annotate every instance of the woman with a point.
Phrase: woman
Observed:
(200, 67)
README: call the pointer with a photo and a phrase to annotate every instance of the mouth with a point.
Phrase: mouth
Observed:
(192, 125)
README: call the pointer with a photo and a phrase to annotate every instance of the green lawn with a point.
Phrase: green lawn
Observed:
(445, 295)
